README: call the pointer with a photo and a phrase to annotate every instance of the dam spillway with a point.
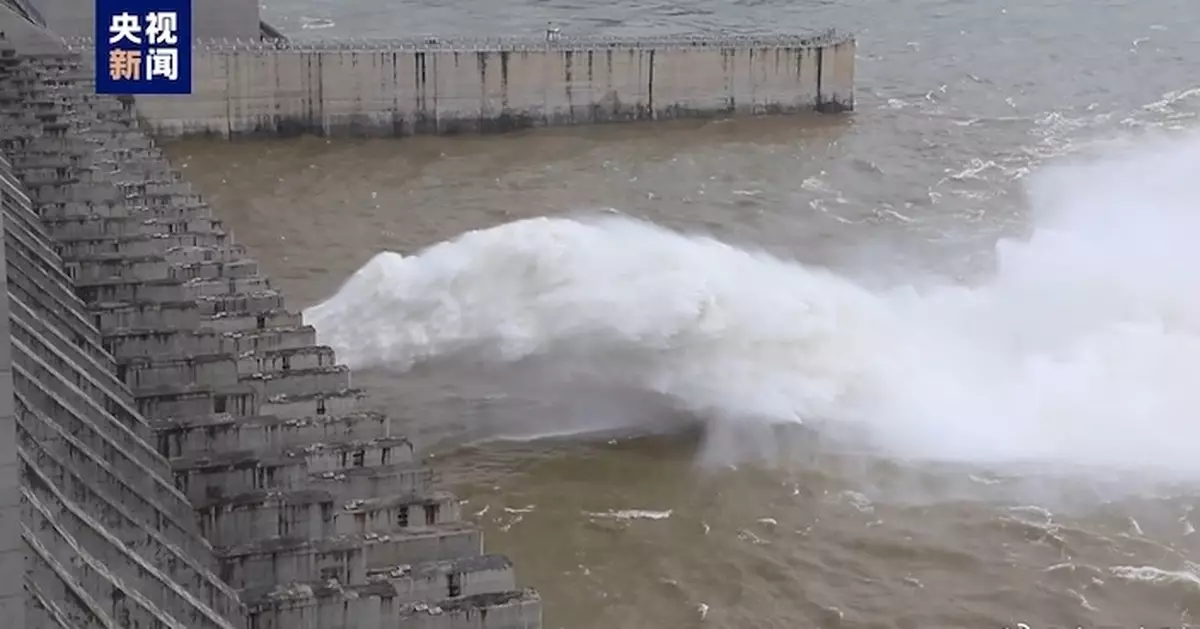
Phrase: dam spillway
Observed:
(445, 87)
(177, 449)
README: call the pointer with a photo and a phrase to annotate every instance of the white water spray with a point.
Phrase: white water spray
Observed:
(1083, 349)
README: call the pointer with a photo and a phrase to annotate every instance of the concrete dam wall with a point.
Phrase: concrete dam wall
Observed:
(406, 88)
(176, 450)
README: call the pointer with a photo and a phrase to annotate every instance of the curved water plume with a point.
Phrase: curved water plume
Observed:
(1084, 348)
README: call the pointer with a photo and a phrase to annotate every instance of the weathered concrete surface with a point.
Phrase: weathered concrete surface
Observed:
(155, 390)
(12, 549)
(406, 88)
(210, 18)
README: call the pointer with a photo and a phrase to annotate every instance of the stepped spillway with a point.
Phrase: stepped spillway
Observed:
(179, 452)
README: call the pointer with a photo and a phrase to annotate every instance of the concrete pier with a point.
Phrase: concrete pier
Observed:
(400, 88)
(175, 449)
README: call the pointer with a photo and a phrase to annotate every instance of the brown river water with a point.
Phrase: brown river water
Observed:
(1024, 449)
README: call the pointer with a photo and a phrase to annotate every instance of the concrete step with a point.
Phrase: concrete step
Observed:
(252, 320)
(130, 290)
(382, 480)
(201, 434)
(248, 397)
(81, 190)
(144, 315)
(84, 146)
(400, 512)
(139, 244)
(125, 169)
(187, 400)
(283, 361)
(313, 514)
(515, 609)
(143, 373)
(373, 607)
(210, 477)
(427, 581)
(129, 209)
(272, 385)
(73, 143)
(94, 227)
(182, 254)
(225, 313)
(150, 269)
(160, 342)
(263, 302)
(123, 208)
(327, 403)
(344, 558)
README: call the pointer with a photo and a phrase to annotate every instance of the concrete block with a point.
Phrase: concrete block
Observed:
(344, 558)
(178, 315)
(218, 475)
(280, 361)
(400, 512)
(126, 344)
(251, 320)
(314, 514)
(516, 609)
(187, 400)
(191, 436)
(384, 480)
(332, 403)
(167, 290)
(212, 370)
(287, 606)
(299, 381)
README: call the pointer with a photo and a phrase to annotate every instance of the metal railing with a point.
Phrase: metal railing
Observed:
(560, 42)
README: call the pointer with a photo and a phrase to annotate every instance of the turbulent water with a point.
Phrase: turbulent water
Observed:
(933, 365)
(1089, 326)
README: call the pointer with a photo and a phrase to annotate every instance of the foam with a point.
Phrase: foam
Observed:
(1083, 348)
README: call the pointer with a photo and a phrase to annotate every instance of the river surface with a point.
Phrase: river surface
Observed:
(1025, 450)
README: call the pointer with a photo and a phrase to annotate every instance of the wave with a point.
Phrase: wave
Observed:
(1083, 346)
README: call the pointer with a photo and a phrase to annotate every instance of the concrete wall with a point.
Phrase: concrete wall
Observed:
(12, 549)
(418, 88)
(210, 18)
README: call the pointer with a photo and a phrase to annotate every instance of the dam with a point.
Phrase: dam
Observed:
(177, 449)
(439, 87)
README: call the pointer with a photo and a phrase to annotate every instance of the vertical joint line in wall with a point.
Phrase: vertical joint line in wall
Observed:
(395, 90)
(820, 75)
(650, 86)
(228, 96)
(277, 108)
(321, 91)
